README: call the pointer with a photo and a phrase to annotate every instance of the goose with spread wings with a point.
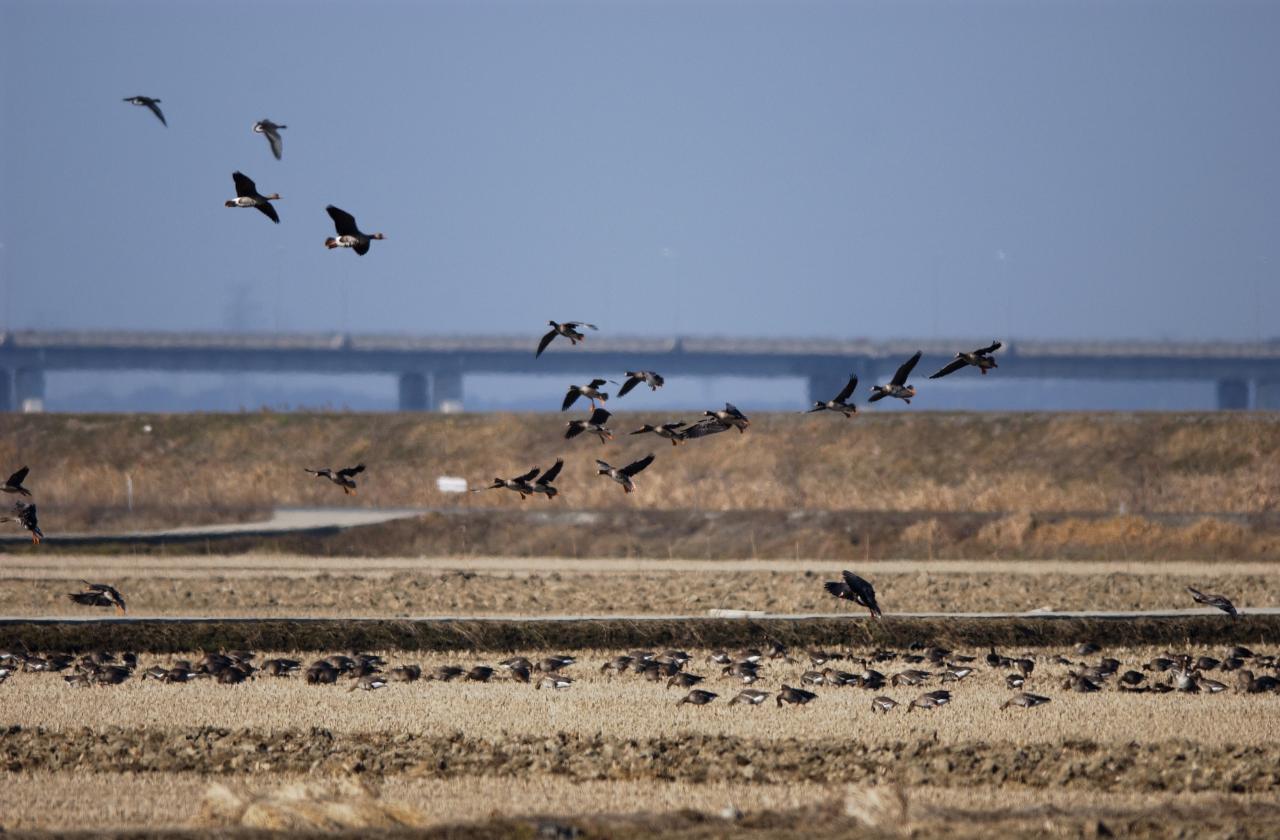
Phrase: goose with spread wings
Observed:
(595, 424)
(271, 131)
(624, 475)
(980, 358)
(569, 329)
(898, 387)
(13, 484)
(855, 589)
(635, 377)
(520, 484)
(344, 478)
(840, 403)
(670, 431)
(591, 391)
(99, 595)
(543, 484)
(247, 195)
(349, 235)
(148, 102)
(25, 515)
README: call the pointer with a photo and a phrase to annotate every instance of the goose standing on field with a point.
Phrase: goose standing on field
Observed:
(349, 236)
(883, 704)
(543, 484)
(569, 329)
(247, 195)
(26, 517)
(13, 484)
(148, 102)
(1025, 700)
(697, 697)
(635, 377)
(794, 696)
(1210, 600)
(840, 404)
(594, 424)
(856, 589)
(980, 358)
(342, 478)
(625, 474)
(99, 595)
(898, 386)
(271, 131)
(591, 391)
(749, 696)
(670, 431)
(520, 484)
(930, 700)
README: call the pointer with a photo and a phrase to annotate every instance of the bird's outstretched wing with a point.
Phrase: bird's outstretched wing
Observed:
(847, 391)
(343, 221)
(550, 475)
(596, 383)
(631, 382)
(865, 592)
(529, 476)
(599, 417)
(576, 427)
(702, 428)
(273, 137)
(900, 378)
(245, 186)
(269, 211)
(350, 471)
(877, 396)
(951, 367)
(637, 466)
(576, 324)
(987, 351)
(546, 339)
(837, 588)
(570, 398)
(18, 477)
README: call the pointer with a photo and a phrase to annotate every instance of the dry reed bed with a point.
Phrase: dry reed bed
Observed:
(1066, 462)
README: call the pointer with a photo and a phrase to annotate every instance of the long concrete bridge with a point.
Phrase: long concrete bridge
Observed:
(431, 369)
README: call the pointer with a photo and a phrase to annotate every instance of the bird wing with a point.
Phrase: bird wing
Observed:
(570, 398)
(702, 428)
(581, 324)
(877, 396)
(529, 475)
(350, 471)
(576, 427)
(245, 188)
(986, 351)
(596, 383)
(837, 588)
(273, 137)
(951, 367)
(848, 389)
(599, 417)
(115, 596)
(326, 472)
(550, 475)
(632, 381)
(900, 378)
(637, 466)
(343, 221)
(269, 211)
(733, 409)
(863, 589)
(155, 109)
(18, 477)
(546, 339)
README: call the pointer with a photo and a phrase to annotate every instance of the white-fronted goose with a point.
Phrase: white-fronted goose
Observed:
(349, 236)
(369, 682)
(27, 518)
(520, 484)
(543, 484)
(684, 680)
(794, 696)
(569, 329)
(148, 102)
(635, 377)
(343, 477)
(730, 416)
(591, 391)
(13, 484)
(931, 700)
(247, 195)
(883, 704)
(855, 589)
(749, 696)
(556, 682)
(898, 387)
(670, 431)
(980, 358)
(99, 595)
(697, 697)
(271, 131)
(624, 475)
(595, 424)
(1025, 700)
(1210, 600)
(840, 403)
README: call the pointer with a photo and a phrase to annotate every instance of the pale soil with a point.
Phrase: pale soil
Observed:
(268, 586)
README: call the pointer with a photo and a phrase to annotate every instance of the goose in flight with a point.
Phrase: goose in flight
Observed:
(670, 431)
(1210, 600)
(247, 195)
(856, 589)
(840, 403)
(543, 484)
(980, 358)
(343, 478)
(349, 236)
(898, 386)
(99, 595)
(624, 475)
(635, 377)
(594, 425)
(715, 422)
(26, 517)
(148, 102)
(271, 131)
(520, 484)
(13, 484)
(569, 329)
(591, 391)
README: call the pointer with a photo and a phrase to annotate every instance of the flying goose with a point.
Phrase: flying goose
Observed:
(13, 484)
(26, 516)
(99, 595)
(247, 195)
(594, 424)
(1211, 600)
(271, 131)
(349, 236)
(543, 484)
(898, 386)
(635, 377)
(670, 431)
(730, 416)
(591, 391)
(840, 403)
(148, 102)
(625, 474)
(856, 589)
(980, 358)
(520, 484)
(569, 329)
(342, 478)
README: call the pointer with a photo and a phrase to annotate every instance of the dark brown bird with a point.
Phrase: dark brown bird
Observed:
(1025, 700)
(624, 475)
(99, 595)
(635, 377)
(856, 589)
(980, 358)
(343, 478)
(595, 424)
(247, 195)
(148, 102)
(349, 236)
(898, 386)
(794, 696)
(697, 697)
(930, 700)
(569, 329)
(13, 484)
(1211, 600)
(840, 403)
(25, 515)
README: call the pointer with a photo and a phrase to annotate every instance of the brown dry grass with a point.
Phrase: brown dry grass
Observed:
(193, 466)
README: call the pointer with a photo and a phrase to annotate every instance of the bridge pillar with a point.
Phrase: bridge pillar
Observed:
(1233, 394)
(446, 390)
(6, 390)
(1266, 396)
(413, 392)
(28, 388)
